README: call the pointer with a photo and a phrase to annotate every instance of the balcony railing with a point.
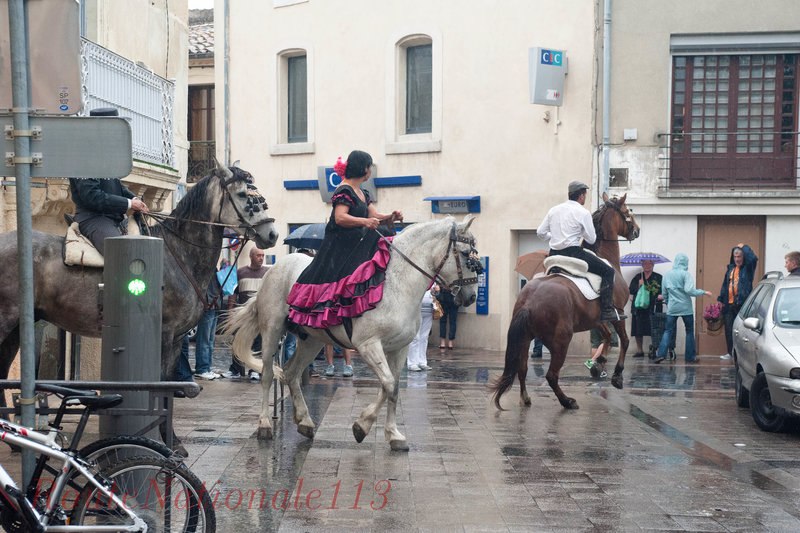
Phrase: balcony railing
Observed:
(110, 80)
(201, 159)
(730, 161)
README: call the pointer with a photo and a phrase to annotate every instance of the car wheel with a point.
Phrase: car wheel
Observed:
(192, 333)
(742, 394)
(766, 416)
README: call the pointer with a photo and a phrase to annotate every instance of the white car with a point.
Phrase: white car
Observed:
(766, 350)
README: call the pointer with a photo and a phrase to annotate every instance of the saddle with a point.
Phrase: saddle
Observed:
(577, 271)
(79, 251)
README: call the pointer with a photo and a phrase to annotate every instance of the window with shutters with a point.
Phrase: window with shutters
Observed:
(734, 121)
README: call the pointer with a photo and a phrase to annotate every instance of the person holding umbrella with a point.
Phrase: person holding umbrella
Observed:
(640, 322)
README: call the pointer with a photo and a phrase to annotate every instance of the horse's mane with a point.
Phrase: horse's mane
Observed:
(597, 218)
(410, 232)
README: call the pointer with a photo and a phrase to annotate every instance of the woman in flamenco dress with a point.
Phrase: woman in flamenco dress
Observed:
(346, 277)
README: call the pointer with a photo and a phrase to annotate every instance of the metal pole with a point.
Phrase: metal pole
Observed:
(606, 95)
(22, 172)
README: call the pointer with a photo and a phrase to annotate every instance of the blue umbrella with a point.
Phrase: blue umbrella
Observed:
(309, 236)
(636, 258)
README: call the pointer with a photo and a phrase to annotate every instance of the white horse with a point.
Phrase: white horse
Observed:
(443, 249)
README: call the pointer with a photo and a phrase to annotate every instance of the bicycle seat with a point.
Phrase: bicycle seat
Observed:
(87, 398)
(101, 402)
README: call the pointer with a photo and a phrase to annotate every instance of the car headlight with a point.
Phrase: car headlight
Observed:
(794, 373)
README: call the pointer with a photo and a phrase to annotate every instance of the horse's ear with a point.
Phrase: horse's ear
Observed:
(235, 163)
(605, 197)
(621, 201)
(222, 171)
(467, 222)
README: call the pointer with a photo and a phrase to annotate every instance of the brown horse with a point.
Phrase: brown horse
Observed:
(552, 309)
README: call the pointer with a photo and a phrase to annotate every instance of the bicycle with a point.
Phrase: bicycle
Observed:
(123, 483)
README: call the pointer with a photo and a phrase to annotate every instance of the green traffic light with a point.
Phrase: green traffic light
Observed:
(136, 287)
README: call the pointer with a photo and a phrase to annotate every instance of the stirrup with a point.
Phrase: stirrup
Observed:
(611, 315)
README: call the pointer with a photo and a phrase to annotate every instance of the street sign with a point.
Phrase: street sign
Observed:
(54, 40)
(72, 147)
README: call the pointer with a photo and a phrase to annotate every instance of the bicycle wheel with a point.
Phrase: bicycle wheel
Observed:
(113, 450)
(104, 453)
(163, 493)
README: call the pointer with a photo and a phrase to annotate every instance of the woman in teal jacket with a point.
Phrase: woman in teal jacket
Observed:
(678, 289)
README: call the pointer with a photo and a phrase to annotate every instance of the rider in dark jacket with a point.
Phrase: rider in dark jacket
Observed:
(101, 204)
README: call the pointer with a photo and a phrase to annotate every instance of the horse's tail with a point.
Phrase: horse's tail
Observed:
(243, 322)
(516, 344)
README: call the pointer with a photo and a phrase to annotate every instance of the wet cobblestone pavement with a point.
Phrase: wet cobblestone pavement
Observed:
(670, 452)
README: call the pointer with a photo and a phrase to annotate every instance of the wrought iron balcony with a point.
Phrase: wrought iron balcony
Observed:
(729, 161)
(110, 80)
(201, 160)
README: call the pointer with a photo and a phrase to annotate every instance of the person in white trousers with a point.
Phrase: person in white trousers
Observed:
(417, 359)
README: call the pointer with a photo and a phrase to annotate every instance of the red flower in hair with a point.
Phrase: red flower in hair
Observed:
(340, 167)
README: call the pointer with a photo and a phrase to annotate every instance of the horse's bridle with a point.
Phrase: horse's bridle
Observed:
(472, 262)
(255, 202)
(628, 219)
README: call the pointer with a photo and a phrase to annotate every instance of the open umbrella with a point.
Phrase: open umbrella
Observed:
(309, 236)
(636, 258)
(530, 264)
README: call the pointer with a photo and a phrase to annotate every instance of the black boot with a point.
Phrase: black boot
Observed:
(609, 313)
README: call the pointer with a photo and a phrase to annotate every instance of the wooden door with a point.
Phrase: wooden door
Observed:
(716, 236)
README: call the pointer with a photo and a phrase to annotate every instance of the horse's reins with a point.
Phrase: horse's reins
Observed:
(201, 295)
(627, 219)
(473, 264)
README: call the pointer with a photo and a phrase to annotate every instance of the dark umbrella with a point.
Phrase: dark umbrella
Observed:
(309, 236)
(636, 258)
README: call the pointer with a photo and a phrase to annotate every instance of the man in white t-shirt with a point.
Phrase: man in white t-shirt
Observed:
(565, 226)
(249, 281)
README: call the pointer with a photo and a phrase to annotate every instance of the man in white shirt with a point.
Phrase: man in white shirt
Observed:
(564, 226)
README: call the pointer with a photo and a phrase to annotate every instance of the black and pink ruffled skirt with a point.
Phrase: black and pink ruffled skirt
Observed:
(326, 304)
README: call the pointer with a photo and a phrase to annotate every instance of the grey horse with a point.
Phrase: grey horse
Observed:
(67, 296)
(381, 336)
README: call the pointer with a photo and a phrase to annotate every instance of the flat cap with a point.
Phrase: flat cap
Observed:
(576, 186)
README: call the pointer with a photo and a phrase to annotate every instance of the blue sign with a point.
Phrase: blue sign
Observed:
(482, 304)
(332, 179)
(552, 57)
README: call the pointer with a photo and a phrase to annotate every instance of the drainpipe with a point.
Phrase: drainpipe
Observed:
(226, 105)
(606, 95)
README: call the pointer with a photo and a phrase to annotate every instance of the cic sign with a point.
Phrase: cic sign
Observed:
(329, 180)
(547, 70)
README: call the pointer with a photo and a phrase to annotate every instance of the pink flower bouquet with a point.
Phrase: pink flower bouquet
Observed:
(713, 317)
(712, 312)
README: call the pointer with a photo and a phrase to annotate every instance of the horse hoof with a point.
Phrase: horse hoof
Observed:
(595, 371)
(398, 445)
(616, 380)
(525, 400)
(264, 434)
(358, 433)
(571, 404)
(306, 431)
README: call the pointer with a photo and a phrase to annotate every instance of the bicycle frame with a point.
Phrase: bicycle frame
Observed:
(45, 444)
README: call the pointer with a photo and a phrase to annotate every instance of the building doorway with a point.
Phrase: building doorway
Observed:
(715, 238)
